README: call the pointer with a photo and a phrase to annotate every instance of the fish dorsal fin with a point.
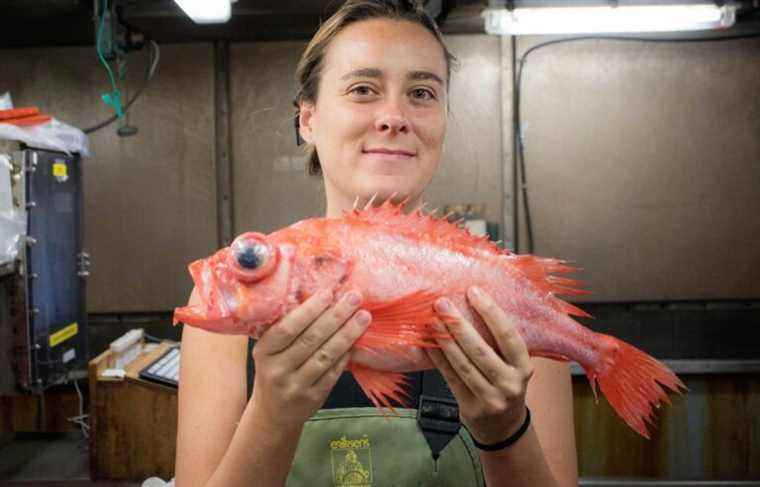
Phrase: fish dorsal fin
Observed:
(539, 271)
(423, 226)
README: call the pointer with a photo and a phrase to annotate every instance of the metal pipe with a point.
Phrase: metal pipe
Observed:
(225, 227)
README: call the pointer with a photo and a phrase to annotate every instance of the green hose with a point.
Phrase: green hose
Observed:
(112, 99)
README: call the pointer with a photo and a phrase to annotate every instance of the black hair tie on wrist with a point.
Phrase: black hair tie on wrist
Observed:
(509, 441)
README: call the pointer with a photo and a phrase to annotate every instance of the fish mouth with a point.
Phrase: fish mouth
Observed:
(194, 315)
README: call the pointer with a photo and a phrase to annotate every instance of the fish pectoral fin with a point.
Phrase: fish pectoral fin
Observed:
(401, 323)
(381, 387)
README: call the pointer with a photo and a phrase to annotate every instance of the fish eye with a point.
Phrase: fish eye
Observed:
(251, 257)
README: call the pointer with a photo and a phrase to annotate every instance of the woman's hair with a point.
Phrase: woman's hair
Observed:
(311, 63)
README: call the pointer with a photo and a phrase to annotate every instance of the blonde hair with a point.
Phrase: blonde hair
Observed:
(311, 63)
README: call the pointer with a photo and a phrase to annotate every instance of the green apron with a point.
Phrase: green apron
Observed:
(359, 447)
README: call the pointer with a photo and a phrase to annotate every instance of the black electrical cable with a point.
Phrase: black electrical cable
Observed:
(152, 338)
(518, 92)
(151, 71)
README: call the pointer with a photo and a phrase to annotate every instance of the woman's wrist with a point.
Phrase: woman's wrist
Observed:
(273, 422)
(507, 441)
(499, 438)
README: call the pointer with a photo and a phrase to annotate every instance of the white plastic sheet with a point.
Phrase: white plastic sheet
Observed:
(12, 221)
(54, 135)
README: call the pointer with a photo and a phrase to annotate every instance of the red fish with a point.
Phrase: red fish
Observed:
(402, 263)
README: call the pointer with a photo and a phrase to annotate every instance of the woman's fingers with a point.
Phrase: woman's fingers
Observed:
(324, 358)
(455, 352)
(324, 384)
(474, 346)
(311, 341)
(459, 388)
(288, 329)
(503, 328)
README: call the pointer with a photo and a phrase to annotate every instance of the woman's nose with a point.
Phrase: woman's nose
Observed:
(392, 120)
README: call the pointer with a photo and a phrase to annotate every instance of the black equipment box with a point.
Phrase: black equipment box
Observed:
(51, 319)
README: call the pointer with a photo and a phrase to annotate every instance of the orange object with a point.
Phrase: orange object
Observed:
(18, 113)
(28, 121)
(402, 263)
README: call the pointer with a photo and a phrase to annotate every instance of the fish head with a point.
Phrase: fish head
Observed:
(241, 289)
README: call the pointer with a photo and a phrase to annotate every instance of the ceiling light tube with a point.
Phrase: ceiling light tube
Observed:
(608, 19)
(206, 11)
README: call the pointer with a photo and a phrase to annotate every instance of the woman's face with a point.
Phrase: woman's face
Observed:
(380, 116)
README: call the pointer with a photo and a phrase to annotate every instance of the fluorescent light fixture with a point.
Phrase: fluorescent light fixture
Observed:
(206, 11)
(608, 19)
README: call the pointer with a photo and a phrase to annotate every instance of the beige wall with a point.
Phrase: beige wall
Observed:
(270, 184)
(643, 165)
(150, 200)
(470, 171)
(642, 160)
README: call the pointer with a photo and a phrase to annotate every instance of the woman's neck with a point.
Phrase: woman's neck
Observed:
(337, 204)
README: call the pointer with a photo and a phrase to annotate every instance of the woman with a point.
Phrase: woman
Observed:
(373, 107)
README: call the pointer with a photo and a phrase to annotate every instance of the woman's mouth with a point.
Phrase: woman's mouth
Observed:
(389, 153)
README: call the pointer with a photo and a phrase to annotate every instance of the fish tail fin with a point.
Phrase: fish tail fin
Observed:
(381, 387)
(633, 382)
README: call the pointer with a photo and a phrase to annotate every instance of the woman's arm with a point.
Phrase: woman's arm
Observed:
(492, 393)
(212, 398)
(222, 440)
(548, 446)
(550, 399)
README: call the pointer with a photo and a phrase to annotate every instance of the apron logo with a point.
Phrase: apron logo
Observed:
(351, 462)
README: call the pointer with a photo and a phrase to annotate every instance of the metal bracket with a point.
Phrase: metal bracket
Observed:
(31, 165)
(83, 264)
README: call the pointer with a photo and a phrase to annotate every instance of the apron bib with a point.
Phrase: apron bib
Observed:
(359, 447)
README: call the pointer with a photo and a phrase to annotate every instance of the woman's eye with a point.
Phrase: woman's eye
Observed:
(361, 90)
(422, 94)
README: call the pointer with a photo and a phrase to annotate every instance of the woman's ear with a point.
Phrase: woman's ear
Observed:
(305, 113)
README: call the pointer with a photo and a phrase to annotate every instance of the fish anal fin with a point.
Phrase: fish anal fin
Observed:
(381, 387)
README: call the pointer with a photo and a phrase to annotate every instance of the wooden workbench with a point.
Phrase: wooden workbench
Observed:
(133, 422)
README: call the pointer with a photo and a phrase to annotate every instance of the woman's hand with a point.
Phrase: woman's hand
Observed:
(300, 358)
(490, 390)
